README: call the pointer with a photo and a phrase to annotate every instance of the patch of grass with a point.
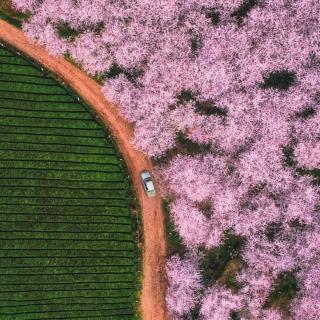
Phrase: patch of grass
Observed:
(15, 22)
(280, 80)
(68, 56)
(228, 277)
(216, 260)
(174, 241)
(284, 291)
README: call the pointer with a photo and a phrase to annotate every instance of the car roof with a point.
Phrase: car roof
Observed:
(150, 185)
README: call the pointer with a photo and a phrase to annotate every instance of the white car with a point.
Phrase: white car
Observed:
(147, 183)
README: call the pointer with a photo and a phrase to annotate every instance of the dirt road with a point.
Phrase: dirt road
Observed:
(152, 299)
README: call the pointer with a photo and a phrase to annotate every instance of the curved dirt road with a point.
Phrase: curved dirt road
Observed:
(153, 291)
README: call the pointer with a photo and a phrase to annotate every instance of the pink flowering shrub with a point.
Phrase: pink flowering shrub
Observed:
(191, 224)
(306, 306)
(218, 304)
(195, 177)
(26, 5)
(240, 77)
(184, 283)
(308, 154)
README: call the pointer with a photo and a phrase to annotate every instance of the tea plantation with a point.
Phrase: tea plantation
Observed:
(67, 245)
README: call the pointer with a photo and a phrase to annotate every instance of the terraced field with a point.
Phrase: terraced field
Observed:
(67, 247)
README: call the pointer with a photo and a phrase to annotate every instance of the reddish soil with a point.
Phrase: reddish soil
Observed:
(154, 251)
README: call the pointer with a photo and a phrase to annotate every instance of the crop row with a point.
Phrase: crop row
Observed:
(72, 108)
(56, 131)
(53, 139)
(65, 219)
(25, 78)
(36, 89)
(43, 114)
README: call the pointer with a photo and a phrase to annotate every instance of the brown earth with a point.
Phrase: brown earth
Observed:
(154, 251)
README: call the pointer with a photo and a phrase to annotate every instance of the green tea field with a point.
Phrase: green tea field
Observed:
(67, 241)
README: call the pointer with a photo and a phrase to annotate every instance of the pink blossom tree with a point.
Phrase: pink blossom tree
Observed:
(218, 304)
(308, 154)
(306, 305)
(184, 283)
(191, 224)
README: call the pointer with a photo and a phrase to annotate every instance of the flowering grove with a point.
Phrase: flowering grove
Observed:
(224, 95)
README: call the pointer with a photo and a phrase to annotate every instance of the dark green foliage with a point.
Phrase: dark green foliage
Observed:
(256, 190)
(194, 313)
(98, 27)
(289, 160)
(9, 14)
(298, 225)
(214, 16)
(253, 192)
(205, 208)
(67, 234)
(115, 70)
(205, 107)
(67, 32)
(174, 241)
(209, 108)
(316, 174)
(288, 156)
(215, 260)
(280, 80)
(243, 10)
(235, 316)
(284, 291)
(306, 113)
(187, 146)
(17, 23)
(233, 284)
(185, 96)
(196, 43)
(133, 75)
(272, 230)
